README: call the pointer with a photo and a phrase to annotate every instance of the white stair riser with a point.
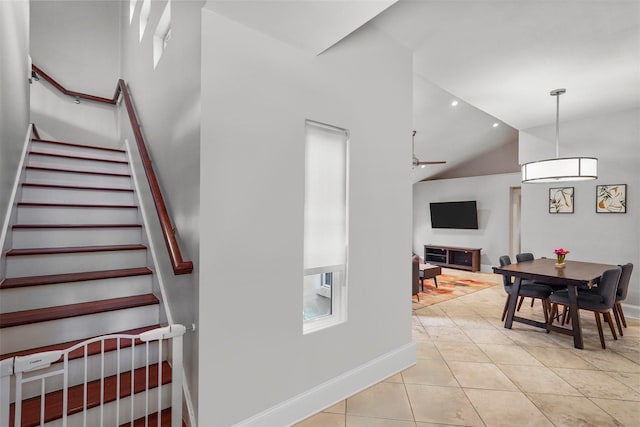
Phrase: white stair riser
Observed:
(37, 176)
(41, 265)
(94, 368)
(109, 412)
(33, 297)
(77, 150)
(76, 215)
(33, 335)
(75, 196)
(55, 238)
(72, 163)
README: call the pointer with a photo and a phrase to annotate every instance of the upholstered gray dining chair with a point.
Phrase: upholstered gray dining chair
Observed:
(527, 289)
(600, 300)
(621, 295)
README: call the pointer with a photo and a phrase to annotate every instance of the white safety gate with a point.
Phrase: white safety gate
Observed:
(75, 377)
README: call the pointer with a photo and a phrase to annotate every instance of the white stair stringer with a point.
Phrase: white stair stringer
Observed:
(33, 335)
(51, 295)
(75, 262)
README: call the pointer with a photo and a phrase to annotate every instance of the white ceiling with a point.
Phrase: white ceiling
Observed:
(498, 58)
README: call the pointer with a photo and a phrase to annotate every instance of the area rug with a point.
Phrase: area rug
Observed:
(449, 287)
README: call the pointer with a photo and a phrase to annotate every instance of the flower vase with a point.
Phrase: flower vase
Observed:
(560, 264)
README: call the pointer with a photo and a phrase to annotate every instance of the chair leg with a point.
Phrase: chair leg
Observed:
(607, 316)
(506, 305)
(617, 316)
(624, 321)
(565, 315)
(599, 324)
(532, 301)
(520, 303)
(553, 310)
(435, 281)
(545, 309)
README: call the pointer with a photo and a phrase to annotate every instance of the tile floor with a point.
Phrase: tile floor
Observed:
(471, 371)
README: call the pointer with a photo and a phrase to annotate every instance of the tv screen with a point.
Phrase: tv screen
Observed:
(454, 215)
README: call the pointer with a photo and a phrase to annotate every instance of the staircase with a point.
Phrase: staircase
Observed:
(77, 269)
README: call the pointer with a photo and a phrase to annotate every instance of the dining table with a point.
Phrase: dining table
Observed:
(574, 275)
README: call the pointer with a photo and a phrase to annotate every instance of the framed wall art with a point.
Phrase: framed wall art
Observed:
(561, 200)
(611, 198)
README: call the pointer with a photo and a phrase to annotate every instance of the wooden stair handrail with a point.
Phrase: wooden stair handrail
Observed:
(180, 266)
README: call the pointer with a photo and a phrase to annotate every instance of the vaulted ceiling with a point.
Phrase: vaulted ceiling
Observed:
(498, 59)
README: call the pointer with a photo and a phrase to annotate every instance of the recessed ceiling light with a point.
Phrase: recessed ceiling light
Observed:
(454, 103)
(495, 125)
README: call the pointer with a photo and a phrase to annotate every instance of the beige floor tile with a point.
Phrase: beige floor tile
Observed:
(628, 413)
(506, 408)
(323, 419)
(435, 319)
(418, 424)
(397, 378)
(530, 336)
(597, 384)
(355, 421)
(429, 372)
(488, 336)
(468, 352)
(559, 358)
(427, 350)
(472, 323)
(509, 354)
(538, 379)
(629, 379)
(608, 360)
(444, 333)
(418, 333)
(443, 405)
(338, 408)
(383, 400)
(480, 375)
(572, 411)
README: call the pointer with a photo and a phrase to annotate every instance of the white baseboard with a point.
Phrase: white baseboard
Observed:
(632, 311)
(333, 391)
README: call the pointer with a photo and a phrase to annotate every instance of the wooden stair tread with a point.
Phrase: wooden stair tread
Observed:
(74, 205)
(76, 187)
(94, 348)
(76, 156)
(74, 249)
(18, 282)
(53, 400)
(26, 317)
(165, 420)
(26, 226)
(67, 170)
(71, 144)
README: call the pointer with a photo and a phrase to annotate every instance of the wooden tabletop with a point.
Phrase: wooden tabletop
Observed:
(575, 273)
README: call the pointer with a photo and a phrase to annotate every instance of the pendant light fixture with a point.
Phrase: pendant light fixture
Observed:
(560, 168)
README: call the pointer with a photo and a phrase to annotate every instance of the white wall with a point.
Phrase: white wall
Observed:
(256, 94)
(167, 101)
(14, 92)
(78, 43)
(590, 236)
(491, 192)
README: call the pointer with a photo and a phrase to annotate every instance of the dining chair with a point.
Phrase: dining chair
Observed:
(528, 256)
(600, 301)
(621, 295)
(527, 289)
(415, 279)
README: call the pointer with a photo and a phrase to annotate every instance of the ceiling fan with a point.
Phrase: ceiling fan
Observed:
(417, 162)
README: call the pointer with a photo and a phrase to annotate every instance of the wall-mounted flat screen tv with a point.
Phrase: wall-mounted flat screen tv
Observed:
(462, 215)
